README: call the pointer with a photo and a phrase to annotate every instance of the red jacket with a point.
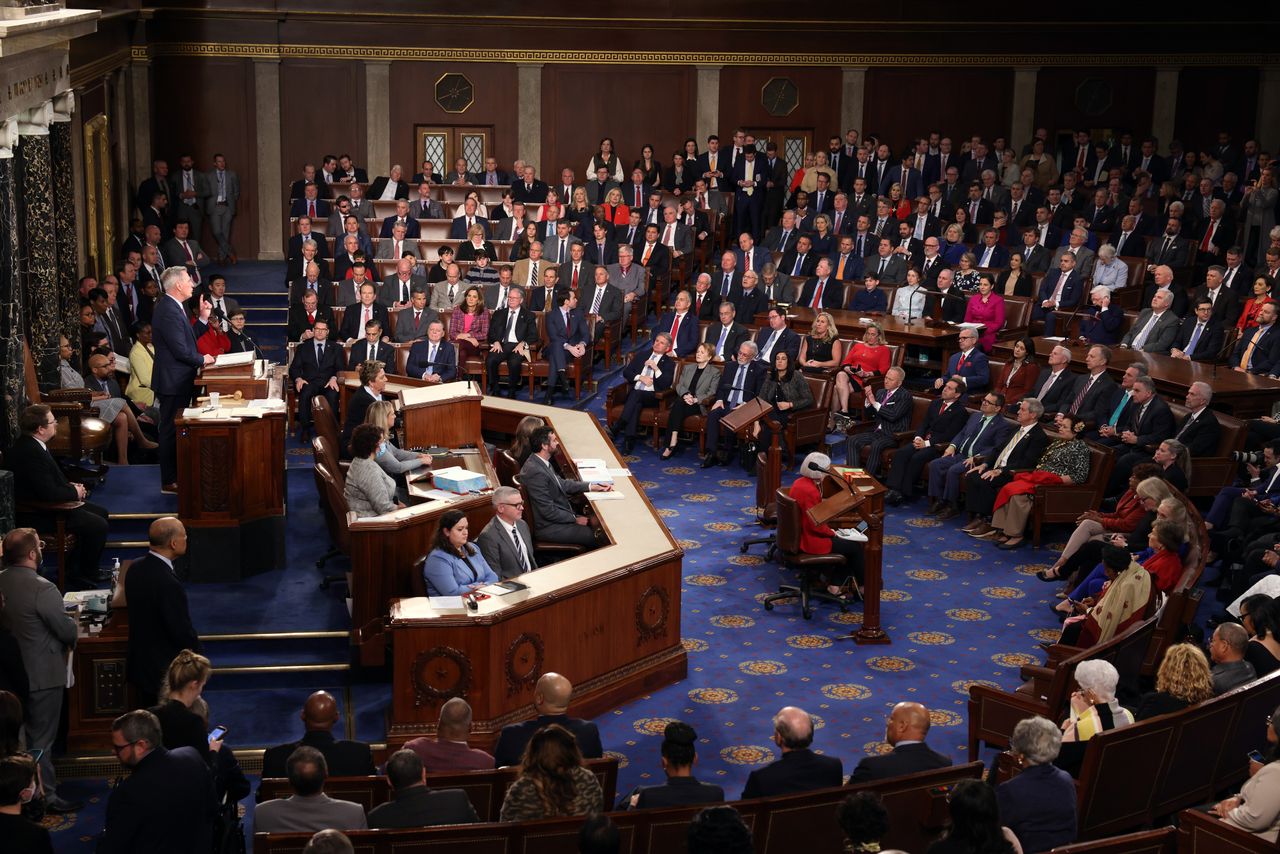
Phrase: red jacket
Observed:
(1129, 511)
(814, 539)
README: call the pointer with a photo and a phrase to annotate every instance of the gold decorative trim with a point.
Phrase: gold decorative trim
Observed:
(91, 72)
(140, 53)
(223, 50)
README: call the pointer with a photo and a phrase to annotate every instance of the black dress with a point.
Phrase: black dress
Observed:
(181, 727)
(1261, 658)
(819, 351)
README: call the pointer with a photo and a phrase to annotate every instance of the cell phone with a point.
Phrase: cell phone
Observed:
(1256, 756)
(861, 527)
(217, 733)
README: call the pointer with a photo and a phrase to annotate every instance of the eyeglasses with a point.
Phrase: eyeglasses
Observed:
(513, 504)
(116, 748)
(990, 402)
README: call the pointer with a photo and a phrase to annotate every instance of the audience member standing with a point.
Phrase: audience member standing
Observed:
(159, 620)
(176, 362)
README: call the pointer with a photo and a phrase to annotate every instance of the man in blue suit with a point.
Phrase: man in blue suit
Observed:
(776, 336)
(681, 326)
(1258, 351)
(1101, 324)
(310, 205)
(1058, 293)
(991, 255)
(970, 363)
(177, 360)
(433, 359)
(412, 231)
(461, 224)
(906, 177)
(739, 383)
(567, 336)
(985, 432)
(748, 249)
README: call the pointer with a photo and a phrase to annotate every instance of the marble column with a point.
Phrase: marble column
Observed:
(12, 391)
(529, 118)
(68, 237)
(1022, 113)
(853, 86)
(1164, 111)
(139, 113)
(707, 115)
(1267, 127)
(270, 195)
(377, 88)
(37, 241)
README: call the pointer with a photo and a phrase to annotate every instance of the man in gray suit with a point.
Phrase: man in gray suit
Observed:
(675, 235)
(193, 187)
(425, 207)
(506, 542)
(398, 288)
(412, 322)
(220, 205)
(628, 277)
(31, 607)
(1156, 328)
(361, 208)
(553, 515)
(393, 248)
(888, 267)
(310, 809)
(556, 248)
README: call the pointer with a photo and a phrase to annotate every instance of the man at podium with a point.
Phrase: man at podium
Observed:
(821, 539)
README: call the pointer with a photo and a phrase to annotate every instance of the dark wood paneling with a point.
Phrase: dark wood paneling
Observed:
(902, 104)
(1132, 96)
(818, 109)
(632, 104)
(313, 119)
(1214, 99)
(413, 103)
(206, 106)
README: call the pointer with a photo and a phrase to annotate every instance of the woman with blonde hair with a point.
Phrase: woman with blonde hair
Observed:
(823, 241)
(866, 359)
(615, 211)
(475, 244)
(1183, 680)
(821, 350)
(553, 780)
(183, 683)
(393, 460)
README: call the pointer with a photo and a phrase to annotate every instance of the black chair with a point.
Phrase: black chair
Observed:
(807, 565)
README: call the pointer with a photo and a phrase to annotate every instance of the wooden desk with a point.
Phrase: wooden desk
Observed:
(102, 691)
(945, 338)
(231, 494)
(609, 619)
(1239, 394)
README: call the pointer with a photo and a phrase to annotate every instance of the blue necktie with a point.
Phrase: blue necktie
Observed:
(1195, 336)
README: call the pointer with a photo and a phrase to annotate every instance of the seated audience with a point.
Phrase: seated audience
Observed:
(1154, 492)
(679, 753)
(905, 731)
(1039, 803)
(142, 358)
(719, 830)
(393, 460)
(821, 539)
(554, 519)
(551, 702)
(506, 542)
(113, 407)
(1125, 598)
(650, 371)
(469, 325)
(1018, 377)
(329, 842)
(787, 390)
(168, 794)
(945, 417)
(598, 835)
(369, 490)
(975, 823)
(1094, 525)
(739, 384)
(1256, 807)
(889, 411)
(413, 804)
(864, 820)
(1182, 680)
(1094, 709)
(1227, 648)
(799, 769)
(1263, 651)
(520, 448)
(308, 808)
(343, 758)
(449, 750)
(373, 381)
(18, 785)
(454, 566)
(987, 308)
(552, 781)
(697, 384)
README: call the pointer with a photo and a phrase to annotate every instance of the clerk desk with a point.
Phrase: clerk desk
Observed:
(609, 619)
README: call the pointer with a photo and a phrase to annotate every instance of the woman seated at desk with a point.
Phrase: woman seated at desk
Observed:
(369, 491)
(820, 539)
(787, 390)
(454, 566)
(392, 459)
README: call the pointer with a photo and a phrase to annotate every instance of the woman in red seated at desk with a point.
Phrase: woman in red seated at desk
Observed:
(1261, 296)
(988, 308)
(1019, 374)
(866, 359)
(821, 539)
(214, 341)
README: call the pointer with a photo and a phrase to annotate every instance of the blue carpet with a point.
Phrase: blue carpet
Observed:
(958, 612)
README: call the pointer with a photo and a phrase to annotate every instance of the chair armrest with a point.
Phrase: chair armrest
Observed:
(1060, 652)
(30, 506)
(994, 713)
(68, 395)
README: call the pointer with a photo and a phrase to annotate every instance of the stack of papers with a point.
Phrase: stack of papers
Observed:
(593, 471)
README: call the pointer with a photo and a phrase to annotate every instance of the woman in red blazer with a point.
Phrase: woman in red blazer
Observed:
(1018, 376)
(820, 539)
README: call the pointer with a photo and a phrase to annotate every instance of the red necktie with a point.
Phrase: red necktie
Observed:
(960, 365)
(675, 328)
(311, 318)
(575, 277)
(638, 202)
(817, 295)
(311, 209)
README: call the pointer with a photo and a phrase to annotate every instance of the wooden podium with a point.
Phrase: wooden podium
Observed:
(844, 504)
(231, 494)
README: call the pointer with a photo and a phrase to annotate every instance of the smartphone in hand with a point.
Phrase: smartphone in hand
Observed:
(217, 733)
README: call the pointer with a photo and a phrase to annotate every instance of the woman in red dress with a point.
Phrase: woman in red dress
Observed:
(820, 539)
(866, 359)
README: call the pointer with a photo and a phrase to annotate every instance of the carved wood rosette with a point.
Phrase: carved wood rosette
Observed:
(439, 674)
(523, 663)
(652, 610)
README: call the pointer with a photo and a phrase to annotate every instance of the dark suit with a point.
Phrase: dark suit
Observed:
(905, 759)
(1208, 345)
(639, 398)
(854, 267)
(1060, 393)
(530, 194)
(379, 185)
(705, 306)
(38, 477)
(559, 334)
(353, 324)
(974, 367)
(733, 337)
(344, 758)
(686, 339)
(315, 373)
(445, 364)
(174, 375)
(1226, 306)
(787, 340)
(1176, 253)
(514, 737)
(362, 351)
(299, 322)
(165, 804)
(412, 230)
(659, 265)
(1102, 327)
(797, 771)
(1037, 261)
(832, 293)
(1151, 428)
(1266, 353)
(611, 304)
(419, 806)
(526, 330)
(892, 415)
(1099, 399)
(458, 231)
(1072, 289)
(937, 430)
(752, 377)
(795, 265)
(980, 494)
(1201, 434)
(301, 207)
(602, 257)
(159, 623)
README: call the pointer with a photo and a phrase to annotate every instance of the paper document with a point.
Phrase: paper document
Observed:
(970, 325)
(1054, 338)
(603, 496)
(447, 604)
(122, 364)
(590, 463)
(851, 534)
(228, 359)
(619, 472)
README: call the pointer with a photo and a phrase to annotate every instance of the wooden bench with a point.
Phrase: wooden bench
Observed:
(1164, 840)
(486, 789)
(917, 806)
(1200, 833)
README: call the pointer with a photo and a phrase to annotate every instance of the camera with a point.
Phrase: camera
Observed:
(1252, 458)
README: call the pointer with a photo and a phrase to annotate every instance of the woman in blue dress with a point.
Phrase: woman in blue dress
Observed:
(454, 566)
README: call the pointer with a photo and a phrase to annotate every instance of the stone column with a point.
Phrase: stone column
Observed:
(38, 262)
(853, 86)
(529, 118)
(377, 88)
(1165, 109)
(118, 124)
(707, 118)
(139, 129)
(1267, 128)
(11, 301)
(270, 190)
(1022, 114)
(62, 174)
(77, 170)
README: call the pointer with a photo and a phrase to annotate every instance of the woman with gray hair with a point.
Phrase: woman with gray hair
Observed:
(1109, 271)
(821, 539)
(1094, 710)
(1039, 804)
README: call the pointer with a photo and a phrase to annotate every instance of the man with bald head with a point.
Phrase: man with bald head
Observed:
(449, 750)
(905, 730)
(343, 758)
(1227, 648)
(551, 701)
(799, 769)
(159, 620)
